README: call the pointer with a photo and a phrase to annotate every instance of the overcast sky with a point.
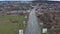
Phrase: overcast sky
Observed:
(29, 0)
(16, 0)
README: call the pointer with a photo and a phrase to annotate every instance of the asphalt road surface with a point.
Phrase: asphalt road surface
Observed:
(32, 26)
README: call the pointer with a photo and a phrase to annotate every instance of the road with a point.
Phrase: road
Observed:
(32, 26)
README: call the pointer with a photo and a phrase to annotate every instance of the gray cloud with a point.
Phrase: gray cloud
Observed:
(29, 0)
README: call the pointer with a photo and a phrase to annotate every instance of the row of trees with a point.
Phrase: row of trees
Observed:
(50, 19)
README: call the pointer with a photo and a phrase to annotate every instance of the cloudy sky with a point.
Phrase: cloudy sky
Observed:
(29, 0)
(16, 0)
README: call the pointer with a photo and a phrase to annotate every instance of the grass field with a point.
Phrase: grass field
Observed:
(7, 27)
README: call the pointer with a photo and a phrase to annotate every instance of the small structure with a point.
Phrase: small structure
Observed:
(25, 16)
(28, 11)
(24, 22)
(41, 23)
(21, 31)
(44, 30)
